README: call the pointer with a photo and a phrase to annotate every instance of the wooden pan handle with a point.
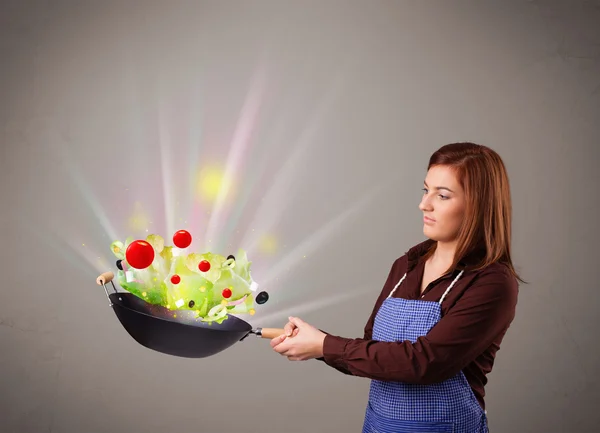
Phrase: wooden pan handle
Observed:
(271, 333)
(105, 278)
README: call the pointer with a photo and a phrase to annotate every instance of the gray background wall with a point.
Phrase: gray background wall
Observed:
(326, 113)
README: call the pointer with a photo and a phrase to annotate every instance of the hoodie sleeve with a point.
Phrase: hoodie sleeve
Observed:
(479, 318)
(368, 330)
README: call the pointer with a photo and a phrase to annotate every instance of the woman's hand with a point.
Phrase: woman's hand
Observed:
(300, 341)
(290, 328)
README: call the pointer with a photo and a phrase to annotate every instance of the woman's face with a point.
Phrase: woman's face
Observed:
(443, 204)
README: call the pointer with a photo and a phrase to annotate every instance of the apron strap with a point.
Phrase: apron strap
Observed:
(450, 286)
(443, 296)
(399, 282)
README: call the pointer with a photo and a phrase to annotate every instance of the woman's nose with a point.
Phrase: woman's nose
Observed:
(425, 204)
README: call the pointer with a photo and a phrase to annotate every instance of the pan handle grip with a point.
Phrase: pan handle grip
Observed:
(270, 333)
(105, 278)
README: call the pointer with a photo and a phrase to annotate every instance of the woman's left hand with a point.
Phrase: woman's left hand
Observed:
(306, 343)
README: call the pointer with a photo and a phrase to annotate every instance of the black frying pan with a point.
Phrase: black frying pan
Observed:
(177, 332)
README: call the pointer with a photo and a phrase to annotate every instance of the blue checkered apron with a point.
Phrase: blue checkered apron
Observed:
(398, 407)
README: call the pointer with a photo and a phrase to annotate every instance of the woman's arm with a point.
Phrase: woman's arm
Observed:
(483, 313)
(368, 330)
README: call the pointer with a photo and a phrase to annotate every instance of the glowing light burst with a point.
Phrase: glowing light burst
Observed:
(64, 241)
(77, 254)
(251, 183)
(297, 310)
(194, 207)
(86, 192)
(319, 237)
(211, 180)
(268, 244)
(239, 144)
(165, 162)
(95, 261)
(215, 186)
(139, 220)
(277, 197)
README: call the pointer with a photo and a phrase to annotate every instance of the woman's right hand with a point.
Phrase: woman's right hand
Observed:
(290, 330)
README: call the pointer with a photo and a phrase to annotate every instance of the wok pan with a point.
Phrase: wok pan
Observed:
(177, 332)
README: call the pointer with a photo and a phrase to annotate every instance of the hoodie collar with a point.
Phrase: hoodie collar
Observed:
(416, 253)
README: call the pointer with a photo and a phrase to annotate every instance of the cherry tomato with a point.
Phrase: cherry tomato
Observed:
(204, 266)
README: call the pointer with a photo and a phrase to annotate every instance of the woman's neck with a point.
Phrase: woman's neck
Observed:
(443, 256)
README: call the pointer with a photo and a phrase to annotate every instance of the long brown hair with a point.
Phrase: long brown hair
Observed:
(488, 214)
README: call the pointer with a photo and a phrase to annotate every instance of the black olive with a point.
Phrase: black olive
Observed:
(191, 303)
(230, 257)
(119, 264)
(262, 297)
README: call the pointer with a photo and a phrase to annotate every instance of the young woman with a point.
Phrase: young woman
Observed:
(443, 311)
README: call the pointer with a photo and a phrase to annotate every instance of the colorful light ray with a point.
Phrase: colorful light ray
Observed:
(217, 184)
(277, 188)
(318, 239)
(281, 316)
(239, 145)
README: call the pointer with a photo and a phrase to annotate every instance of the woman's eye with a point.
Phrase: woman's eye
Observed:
(443, 197)
(425, 190)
